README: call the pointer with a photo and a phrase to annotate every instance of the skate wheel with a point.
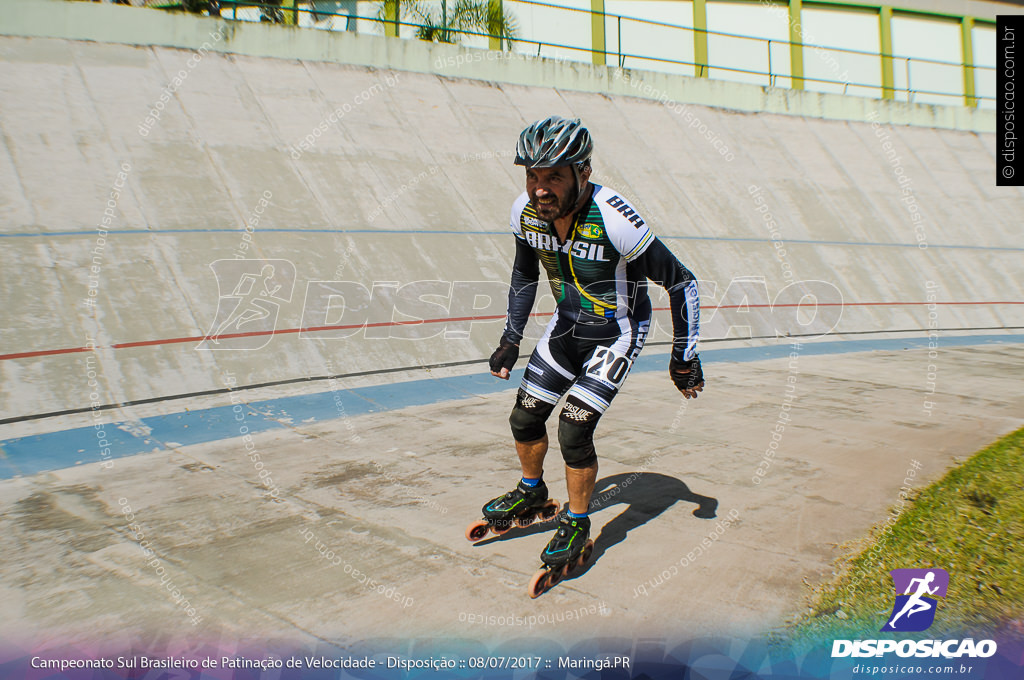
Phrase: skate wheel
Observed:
(555, 575)
(550, 509)
(500, 530)
(477, 530)
(524, 521)
(539, 584)
(580, 562)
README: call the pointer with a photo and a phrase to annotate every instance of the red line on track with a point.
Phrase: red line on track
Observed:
(316, 329)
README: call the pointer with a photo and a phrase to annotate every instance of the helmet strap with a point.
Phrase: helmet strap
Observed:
(577, 174)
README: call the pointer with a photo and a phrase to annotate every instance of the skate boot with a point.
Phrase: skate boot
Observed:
(519, 507)
(565, 555)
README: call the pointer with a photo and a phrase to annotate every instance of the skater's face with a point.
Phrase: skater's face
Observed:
(552, 191)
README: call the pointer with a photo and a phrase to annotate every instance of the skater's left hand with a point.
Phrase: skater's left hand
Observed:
(687, 376)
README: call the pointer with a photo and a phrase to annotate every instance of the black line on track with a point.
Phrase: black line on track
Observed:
(451, 364)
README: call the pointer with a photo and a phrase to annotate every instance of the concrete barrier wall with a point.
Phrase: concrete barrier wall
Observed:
(127, 172)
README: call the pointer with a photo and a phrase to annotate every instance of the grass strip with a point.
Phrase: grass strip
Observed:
(970, 523)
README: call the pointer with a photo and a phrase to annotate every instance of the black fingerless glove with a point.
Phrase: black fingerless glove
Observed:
(505, 356)
(686, 381)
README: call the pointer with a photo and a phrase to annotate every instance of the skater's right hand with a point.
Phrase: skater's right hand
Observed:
(687, 376)
(504, 358)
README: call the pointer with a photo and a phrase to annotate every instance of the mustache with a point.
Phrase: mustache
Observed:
(554, 200)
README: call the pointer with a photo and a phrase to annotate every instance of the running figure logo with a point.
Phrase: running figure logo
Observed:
(914, 610)
(247, 315)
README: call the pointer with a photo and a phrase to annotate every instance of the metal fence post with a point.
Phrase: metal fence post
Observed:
(909, 99)
(700, 37)
(619, 42)
(598, 49)
(796, 46)
(885, 49)
(391, 14)
(496, 10)
(967, 43)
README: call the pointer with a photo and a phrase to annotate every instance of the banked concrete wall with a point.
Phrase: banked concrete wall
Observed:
(128, 171)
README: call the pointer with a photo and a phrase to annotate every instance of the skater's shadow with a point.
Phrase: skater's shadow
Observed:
(645, 495)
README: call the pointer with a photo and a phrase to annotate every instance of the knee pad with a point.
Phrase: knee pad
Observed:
(528, 418)
(576, 426)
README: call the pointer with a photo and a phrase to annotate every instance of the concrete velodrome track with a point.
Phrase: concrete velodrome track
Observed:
(363, 386)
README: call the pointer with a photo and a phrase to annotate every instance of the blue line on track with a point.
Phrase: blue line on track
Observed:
(67, 448)
(422, 232)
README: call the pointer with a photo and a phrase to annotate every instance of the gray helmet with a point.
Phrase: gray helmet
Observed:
(554, 141)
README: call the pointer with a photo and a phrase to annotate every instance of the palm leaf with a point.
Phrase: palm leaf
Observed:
(462, 17)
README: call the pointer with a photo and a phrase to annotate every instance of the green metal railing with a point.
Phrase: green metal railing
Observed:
(392, 26)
